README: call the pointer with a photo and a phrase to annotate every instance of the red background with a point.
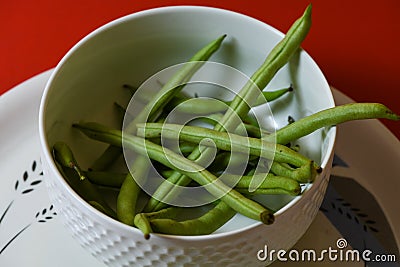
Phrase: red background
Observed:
(354, 42)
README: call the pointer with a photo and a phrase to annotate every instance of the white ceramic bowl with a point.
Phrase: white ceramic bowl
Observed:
(87, 81)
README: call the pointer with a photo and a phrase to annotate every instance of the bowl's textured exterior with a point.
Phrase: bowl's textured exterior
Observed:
(124, 246)
(131, 49)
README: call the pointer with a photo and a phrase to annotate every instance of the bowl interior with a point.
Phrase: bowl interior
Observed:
(89, 79)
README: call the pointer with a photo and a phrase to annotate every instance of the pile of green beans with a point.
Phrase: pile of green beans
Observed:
(240, 105)
(288, 168)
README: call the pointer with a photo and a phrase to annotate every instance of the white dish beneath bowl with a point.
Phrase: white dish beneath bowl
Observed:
(27, 240)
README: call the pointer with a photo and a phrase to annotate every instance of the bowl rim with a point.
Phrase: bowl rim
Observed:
(89, 210)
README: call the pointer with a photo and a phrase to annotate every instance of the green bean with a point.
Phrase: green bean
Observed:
(198, 106)
(241, 103)
(142, 220)
(143, 224)
(267, 191)
(206, 105)
(64, 156)
(103, 178)
(175, 84)
(251, 120)
(174, 161)
(274, 95)
(331, 117)
(223, 140)
(125, 210)
(205, 224)
(270, 182)
(129, 192)
(304, 174)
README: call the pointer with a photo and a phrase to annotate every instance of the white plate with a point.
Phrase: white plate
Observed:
(32, 235)
(44, 242)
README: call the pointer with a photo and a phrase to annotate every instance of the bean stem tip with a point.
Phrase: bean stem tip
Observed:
(267, 217)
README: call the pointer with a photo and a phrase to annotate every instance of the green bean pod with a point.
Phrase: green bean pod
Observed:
(64, 156)
(269, 96)
(129, 192)
(206, 105)
(142, 220)
(143, 224)
(271, 183)
(205, 224)
(267, 191)
(331, 117)
(303, 174)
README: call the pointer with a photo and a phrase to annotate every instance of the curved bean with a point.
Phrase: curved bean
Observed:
(205, 224)
(64, 156)
(142, 220)
(270, 96)
(303, 174)
(143, 224)
(129, 192)
(330, 117)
